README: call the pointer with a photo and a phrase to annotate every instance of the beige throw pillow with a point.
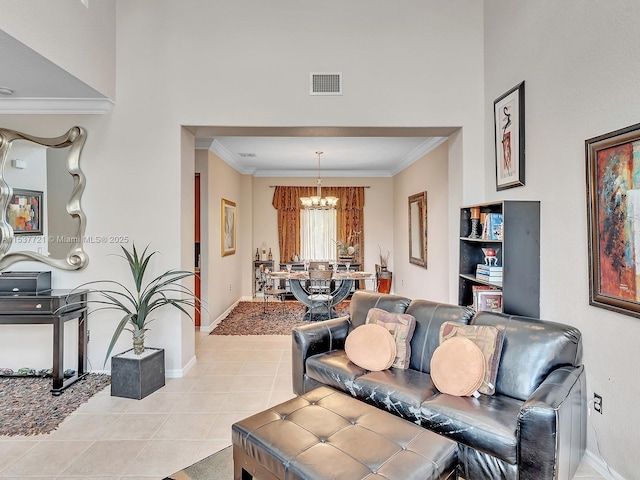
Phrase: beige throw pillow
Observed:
(371, 347)
(457, 367)
(488, 339)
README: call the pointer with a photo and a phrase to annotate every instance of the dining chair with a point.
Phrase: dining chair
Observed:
(272, 291)
(320, 295)
(317, 265)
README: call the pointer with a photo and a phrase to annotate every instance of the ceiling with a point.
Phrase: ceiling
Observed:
(259, 151)
(30, 75)
(350, 156)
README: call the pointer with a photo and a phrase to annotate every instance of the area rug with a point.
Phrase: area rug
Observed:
(218, 466)
(248, 318)
(27, 406)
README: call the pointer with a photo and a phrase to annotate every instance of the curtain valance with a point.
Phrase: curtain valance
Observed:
(288, 198)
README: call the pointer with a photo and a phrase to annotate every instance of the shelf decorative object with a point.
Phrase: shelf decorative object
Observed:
(346, 252)
(475, 222)
(490, 256)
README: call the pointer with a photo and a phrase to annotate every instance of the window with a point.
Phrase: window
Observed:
(317, 234)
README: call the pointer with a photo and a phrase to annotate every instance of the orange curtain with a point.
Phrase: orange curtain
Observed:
(350, 216)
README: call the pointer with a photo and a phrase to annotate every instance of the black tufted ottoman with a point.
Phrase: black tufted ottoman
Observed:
(325, 434)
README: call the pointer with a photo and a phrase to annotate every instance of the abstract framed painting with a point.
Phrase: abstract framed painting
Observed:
(24, 212)
(508, 118)
(228, 227)
(613, 219)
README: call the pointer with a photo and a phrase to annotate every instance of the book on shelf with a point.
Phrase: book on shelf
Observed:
(488, 301)
(492, 227)
(489, 273)
(490, 279)
(481, 267)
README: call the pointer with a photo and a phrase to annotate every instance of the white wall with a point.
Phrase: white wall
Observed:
(429, 174)
(224, 275)
(579, 63)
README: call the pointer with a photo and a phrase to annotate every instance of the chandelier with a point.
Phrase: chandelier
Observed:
(317, 202)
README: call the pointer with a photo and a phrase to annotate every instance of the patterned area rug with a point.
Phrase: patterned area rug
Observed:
(248, 318)
(28, 408)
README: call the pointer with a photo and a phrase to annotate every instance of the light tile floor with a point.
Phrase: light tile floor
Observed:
(112, 438)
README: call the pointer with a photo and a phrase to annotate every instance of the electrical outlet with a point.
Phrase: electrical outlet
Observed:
(597, 403)
(229, 287)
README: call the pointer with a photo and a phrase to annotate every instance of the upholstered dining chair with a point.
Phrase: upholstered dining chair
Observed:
(320, 295)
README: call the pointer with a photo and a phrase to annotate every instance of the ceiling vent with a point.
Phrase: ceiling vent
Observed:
(326, 83)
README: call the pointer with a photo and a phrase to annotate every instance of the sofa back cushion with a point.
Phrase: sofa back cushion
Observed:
(531, 349)
(362, 301)
(426, 336)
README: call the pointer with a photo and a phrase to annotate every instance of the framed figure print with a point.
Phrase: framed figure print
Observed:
(613, 220)
(228, 227)
(24, 212)
(508, 117)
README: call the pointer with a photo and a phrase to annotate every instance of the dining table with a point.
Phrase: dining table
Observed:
(341, 286)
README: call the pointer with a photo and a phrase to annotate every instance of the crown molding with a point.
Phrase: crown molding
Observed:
(419, 152)
(55, 106)
(203, 143)
(325, 173)
(217, 148)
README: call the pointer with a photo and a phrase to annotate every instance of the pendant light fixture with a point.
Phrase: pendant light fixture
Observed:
(317, 202)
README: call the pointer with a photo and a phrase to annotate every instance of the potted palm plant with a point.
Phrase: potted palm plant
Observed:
(138, 304)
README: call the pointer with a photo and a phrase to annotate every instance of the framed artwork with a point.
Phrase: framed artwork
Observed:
(24, 212)
(508, 118)
(228, 227)
(613, 219)
(418, 229)
(489, 300)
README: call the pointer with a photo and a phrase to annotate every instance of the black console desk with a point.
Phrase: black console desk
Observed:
(51, 307)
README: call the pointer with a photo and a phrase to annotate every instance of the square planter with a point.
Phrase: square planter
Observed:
(136, 376)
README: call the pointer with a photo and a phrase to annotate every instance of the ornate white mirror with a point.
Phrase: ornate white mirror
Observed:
(41, 186)
(418, 229)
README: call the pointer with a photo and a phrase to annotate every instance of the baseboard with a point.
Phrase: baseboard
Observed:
(209, 328)
(601, 467)
(180, 372)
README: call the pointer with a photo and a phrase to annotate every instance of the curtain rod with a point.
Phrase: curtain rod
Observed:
(323, 186)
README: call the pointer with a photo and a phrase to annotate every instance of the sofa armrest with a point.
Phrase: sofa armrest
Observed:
(312, 339)
(553, 426)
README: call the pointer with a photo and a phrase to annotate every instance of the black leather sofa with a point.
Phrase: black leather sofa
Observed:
(533, 427)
